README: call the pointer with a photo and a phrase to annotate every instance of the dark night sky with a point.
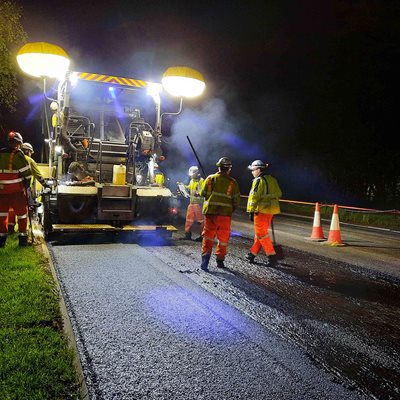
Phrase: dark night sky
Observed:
(299, 83)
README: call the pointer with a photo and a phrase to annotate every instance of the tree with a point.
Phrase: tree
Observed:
(12, 35)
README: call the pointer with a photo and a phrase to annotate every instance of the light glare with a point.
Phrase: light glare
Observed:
(183, 86)
(154, 89)
(73, 79)
(41, 64)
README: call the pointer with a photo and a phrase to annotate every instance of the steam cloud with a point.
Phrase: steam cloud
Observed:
(214, 133)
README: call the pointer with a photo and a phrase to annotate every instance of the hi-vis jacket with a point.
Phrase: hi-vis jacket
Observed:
(194, 187)
(264, 195)
(221, 194)
(15, 171)
(36, 174)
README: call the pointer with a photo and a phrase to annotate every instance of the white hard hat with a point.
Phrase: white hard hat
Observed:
(27, 146)
(257, 164)
(193, 170)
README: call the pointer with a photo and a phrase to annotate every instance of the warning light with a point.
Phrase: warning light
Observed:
(173, 211)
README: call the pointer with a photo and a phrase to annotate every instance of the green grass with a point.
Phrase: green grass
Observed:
(35, 360)
(378, 220)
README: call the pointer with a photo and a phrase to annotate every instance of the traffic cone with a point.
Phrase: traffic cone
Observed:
(317, 233)
(334, 238)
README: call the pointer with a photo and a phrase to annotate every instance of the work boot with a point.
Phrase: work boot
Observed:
(199, 239)
(220, 263)
(204, 262)
(272, 261)
(250, 258)
(188, 236)
(3, 241)
(11, 228)
(23, 240)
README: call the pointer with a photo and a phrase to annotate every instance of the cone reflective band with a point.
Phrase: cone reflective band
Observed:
(334, 238)
(317, 233)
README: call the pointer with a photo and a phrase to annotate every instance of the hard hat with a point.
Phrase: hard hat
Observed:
(257, 164)
(193, 170)
(224, 162)
(27, 146)
(15, 136)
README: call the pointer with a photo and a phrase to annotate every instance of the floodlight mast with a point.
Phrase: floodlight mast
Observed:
(44, 60)
(182, 82)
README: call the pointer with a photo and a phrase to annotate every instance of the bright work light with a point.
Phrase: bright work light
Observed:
(43, 59)
(154, 89)
(183, 82)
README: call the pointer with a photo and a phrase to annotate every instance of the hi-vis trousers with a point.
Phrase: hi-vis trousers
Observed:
(194, 214)
(261, 237)
(17, 201)
(220, 226)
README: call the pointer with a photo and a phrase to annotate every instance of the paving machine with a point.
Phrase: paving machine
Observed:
(102, 157)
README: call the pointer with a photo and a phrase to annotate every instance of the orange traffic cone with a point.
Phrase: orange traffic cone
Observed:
(317, 233)
(334, 238)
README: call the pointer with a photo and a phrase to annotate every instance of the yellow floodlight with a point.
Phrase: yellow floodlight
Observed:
(41, 59)
(183, 82)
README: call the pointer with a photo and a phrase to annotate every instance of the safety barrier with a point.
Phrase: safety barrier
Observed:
(355, 209)
(361, 216)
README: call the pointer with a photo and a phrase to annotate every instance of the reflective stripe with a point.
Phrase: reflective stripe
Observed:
(189, 220)
(10, 159)
(2, 214)
(223, 244)
(215, 203)
(28, 177)
(9, 171)
(229, 191)
(208, 238)
(262, 237)
(10, 181)
(22, 216)
(24, 168)
(223, 195)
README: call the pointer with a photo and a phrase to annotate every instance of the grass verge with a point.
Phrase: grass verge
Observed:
(35, 359)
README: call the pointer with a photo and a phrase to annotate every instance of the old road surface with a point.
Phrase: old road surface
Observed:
(324, 324)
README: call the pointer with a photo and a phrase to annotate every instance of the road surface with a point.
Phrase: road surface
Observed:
(150, 325)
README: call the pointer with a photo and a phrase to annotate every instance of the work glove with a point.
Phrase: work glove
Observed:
(251, 216)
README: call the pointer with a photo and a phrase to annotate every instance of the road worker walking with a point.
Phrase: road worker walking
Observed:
(221, 198)
(194, 210)
(15, 177)
(262, 205)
